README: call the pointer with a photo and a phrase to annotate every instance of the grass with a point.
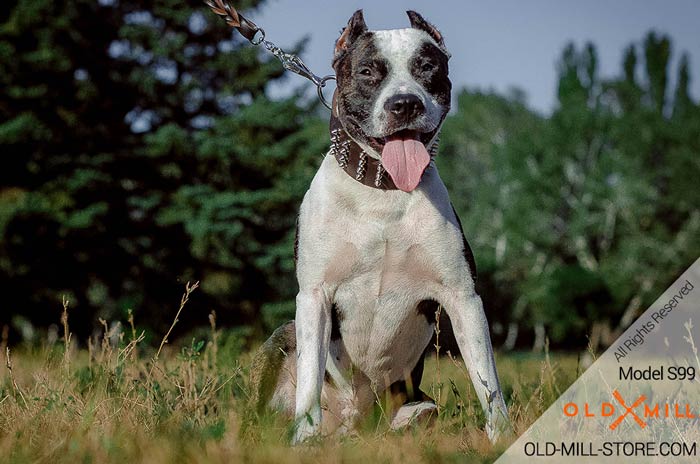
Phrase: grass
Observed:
(120, 401)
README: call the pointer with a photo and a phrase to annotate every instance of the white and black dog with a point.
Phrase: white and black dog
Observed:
(379, 247)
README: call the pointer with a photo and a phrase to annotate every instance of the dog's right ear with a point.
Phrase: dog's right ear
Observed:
(417, 22)
(355, 28)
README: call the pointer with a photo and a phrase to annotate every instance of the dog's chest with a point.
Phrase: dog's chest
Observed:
(378, 256)
(379, 244)
(377, 300)
(382, 263)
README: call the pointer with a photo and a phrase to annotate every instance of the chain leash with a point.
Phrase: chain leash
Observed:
(256, 36)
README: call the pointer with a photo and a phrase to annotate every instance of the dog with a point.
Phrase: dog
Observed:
(378, 248)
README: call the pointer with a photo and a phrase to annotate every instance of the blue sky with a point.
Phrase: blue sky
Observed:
(501, 43)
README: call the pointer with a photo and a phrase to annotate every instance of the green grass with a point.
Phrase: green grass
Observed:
(127, 403)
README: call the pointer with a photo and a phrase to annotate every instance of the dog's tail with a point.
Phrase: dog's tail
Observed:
(268, 368)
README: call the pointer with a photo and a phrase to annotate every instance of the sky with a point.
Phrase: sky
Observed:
(500, 44)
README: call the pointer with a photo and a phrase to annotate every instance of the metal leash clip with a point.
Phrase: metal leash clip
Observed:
(256, 36)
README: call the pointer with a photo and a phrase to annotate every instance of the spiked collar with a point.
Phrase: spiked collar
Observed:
(355, 161)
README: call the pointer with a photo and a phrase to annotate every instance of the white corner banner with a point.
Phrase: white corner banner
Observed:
(639, 401)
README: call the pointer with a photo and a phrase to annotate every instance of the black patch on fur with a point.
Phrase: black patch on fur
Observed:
(427, 309)
(418, 22)
(328, 379)
(468, 255)
(429, 67)
(401, 387)
(336, 319)
(355, 28)
(357, 92)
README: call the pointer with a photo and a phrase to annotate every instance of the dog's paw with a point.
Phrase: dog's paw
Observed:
(418, 413)
(498, 426)
(304, 430)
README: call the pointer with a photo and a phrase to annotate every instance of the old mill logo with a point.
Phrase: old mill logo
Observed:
(637, 411)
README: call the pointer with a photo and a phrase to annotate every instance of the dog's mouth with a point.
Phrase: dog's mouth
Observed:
(405, 156)
(424, 137)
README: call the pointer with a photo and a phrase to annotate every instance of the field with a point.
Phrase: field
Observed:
(118, 400)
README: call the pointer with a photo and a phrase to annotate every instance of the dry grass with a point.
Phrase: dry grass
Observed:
(119, 401)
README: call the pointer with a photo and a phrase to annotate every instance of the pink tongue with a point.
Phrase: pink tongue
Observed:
(405, 158)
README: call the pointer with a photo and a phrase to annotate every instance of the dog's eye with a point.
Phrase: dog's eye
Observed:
(366, 72)
(427, 66)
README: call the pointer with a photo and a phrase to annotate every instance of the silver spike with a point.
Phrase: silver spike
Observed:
(344, 154)
(434, 147)
(335, 138)
(379, 177)
(361, 166)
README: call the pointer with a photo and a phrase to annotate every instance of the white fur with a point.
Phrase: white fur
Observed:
(377, 254)
(412, 413)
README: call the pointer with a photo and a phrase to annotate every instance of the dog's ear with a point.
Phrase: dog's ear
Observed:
(417, 22)
(355, 28)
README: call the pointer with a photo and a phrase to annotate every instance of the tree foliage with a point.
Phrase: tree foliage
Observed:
(579, 220)
(140, 151)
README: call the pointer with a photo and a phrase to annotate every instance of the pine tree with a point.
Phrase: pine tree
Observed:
(141, 151)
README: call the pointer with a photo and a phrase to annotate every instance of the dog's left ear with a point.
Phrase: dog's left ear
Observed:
(417, 22)
(355, 28)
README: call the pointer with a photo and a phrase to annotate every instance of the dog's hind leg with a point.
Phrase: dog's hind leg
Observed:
(411, 405)
(273, 379)
(273, 372)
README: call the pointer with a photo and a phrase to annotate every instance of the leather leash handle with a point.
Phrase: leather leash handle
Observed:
(233, 18)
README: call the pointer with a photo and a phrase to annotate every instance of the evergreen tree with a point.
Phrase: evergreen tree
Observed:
(141, 151)
(657, 51)
(682, 103)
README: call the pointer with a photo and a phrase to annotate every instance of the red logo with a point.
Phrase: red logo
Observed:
(628, 410)
(622, 410)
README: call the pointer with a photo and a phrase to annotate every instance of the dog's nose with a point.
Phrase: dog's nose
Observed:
(405, 106)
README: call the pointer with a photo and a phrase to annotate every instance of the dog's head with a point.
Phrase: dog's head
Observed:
(393, 92)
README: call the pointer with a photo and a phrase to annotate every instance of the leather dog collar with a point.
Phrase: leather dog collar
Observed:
(355, 161)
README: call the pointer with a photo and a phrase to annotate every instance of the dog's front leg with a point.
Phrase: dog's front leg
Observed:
(471, 330)
(313, 332)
